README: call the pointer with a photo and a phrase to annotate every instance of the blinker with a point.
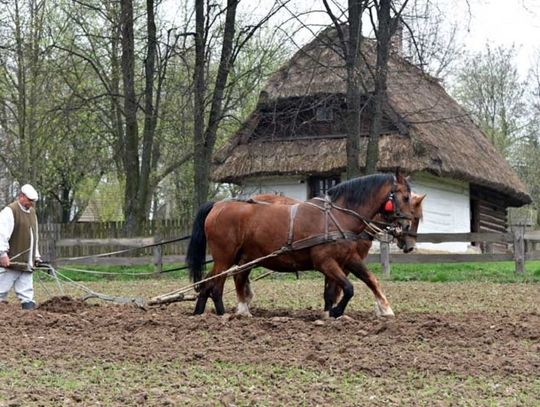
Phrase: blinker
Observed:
(389, 206)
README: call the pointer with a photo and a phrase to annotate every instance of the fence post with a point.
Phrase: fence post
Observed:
(52, 251)
(385, 256)
(519, 248)
(158, 258)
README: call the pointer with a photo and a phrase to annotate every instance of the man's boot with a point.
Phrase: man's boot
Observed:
(28, 305)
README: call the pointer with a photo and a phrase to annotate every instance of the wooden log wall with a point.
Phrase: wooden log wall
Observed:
(489, 214)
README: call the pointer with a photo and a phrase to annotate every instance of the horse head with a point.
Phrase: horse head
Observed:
(407, 239)
(399, 211)
(384, 195)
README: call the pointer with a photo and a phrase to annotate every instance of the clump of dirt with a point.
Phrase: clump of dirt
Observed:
(64, 305)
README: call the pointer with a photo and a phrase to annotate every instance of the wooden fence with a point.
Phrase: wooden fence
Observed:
(86, 239)
(521, 246)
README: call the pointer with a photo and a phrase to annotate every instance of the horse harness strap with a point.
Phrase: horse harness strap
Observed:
(371, 226)
(316, 240)
(321, 239)
(292, 217)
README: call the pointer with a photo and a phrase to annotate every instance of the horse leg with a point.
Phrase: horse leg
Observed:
(382, 306)
(332, 294)
(335, 274)
(244, 294)
(202, 298)
(213, 289)
(217, 294)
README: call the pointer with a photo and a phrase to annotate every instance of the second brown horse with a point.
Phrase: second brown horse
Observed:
(332, 292)
(239, 232)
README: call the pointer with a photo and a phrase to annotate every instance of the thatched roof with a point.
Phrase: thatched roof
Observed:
(440, 137)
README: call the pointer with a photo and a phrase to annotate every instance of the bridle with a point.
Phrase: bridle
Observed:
(390, 210)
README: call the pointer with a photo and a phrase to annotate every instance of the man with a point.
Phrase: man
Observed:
(19, 247)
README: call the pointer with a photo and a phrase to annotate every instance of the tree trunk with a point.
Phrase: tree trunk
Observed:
(386, 28)
(351, 46)
(354, 79)
(205, 139)
(24, 159)
(131, 156)
(144, 197)
(200, 187)
(117, 119)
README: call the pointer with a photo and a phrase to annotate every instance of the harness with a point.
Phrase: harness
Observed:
(373, 229)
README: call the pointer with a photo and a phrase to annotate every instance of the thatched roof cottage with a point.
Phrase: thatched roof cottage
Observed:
(294, 142)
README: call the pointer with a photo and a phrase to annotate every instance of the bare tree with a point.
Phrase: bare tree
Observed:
(232, 43)
(387, 20)
(350, 42)
(489, 88)
(525, 156)
(385, 16)
(430, 39)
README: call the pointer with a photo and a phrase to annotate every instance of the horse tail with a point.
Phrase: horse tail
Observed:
(196, 252)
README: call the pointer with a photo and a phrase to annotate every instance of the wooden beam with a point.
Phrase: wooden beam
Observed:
(442, 258)
(124, 242)
(464, 237)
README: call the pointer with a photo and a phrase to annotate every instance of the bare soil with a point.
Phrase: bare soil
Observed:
(471, 343)
(64, 332)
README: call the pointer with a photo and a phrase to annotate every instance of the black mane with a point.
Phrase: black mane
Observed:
(358, 191)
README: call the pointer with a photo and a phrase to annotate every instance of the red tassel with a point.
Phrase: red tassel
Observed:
(389, 206)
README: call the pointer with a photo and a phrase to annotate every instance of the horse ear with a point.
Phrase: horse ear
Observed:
(419, 199)
(400, 176)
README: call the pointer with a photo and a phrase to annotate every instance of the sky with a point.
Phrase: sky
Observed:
(500, 22)
(495, 22)
(481, 22)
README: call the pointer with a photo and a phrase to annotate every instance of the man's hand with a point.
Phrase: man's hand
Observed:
(44, 266)
(4, 260)
(41, 263)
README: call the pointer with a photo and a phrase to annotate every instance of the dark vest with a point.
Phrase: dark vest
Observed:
(20, 239)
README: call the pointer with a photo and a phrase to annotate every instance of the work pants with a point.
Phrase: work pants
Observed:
(21, 281)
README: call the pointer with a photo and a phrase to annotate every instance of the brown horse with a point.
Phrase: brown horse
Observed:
(317, 234)
(332, 292)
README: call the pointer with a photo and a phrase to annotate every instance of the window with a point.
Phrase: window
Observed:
(319, 185)
(324, 114)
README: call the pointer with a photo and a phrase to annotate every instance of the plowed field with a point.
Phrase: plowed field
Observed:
(449, 344)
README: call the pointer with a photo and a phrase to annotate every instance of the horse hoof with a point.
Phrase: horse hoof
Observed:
(345, 318)
(325, 315)
(383, 312)
(242, 309)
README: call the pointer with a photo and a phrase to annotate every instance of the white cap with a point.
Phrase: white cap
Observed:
(30, 192)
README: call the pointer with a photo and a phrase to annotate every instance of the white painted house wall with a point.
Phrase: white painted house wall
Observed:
(446, 207)
(446, 210)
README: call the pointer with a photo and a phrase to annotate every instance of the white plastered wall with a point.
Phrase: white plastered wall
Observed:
(446, 210)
